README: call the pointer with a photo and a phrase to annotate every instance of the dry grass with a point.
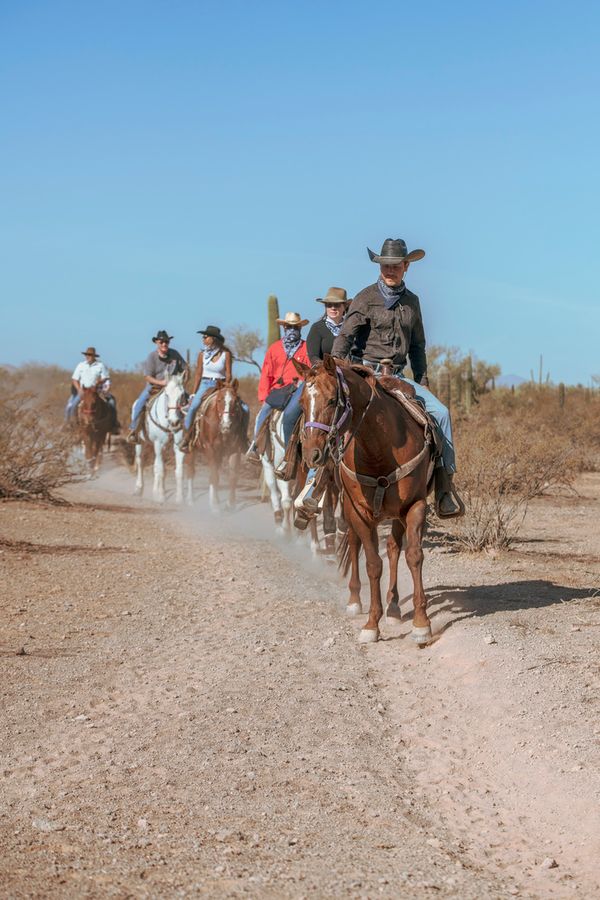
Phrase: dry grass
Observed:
(34, 452)
(516, 446)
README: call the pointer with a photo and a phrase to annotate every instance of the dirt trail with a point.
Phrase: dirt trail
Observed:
(193, 714)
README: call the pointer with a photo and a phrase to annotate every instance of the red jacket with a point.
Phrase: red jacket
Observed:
(277, 366)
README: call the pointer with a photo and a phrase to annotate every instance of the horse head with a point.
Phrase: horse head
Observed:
(175, 396)
(326, 408)
(227, 403)
(90, 405)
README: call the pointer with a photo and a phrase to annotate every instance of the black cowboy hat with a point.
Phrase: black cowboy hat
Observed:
(91, 351)
(162, 336)
(213, 332)
(394, 252)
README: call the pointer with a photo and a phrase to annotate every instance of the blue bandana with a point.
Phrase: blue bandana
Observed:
(333, 326)
(391, 295)
(210, 352)
(291, 340)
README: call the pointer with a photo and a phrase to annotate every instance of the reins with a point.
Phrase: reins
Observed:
(170, 429)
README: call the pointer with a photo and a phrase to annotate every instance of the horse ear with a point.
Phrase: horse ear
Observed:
(329, 363)
(301, 368)
(235, 384)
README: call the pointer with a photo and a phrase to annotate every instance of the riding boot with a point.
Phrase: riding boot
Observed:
(448, 504)
(133, 435)
(309, 500)
(187, 437)
(252, 454)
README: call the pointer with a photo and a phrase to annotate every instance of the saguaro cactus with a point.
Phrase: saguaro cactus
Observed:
(273, 332)
(469, 385)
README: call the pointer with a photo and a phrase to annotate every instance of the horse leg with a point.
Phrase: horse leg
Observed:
(287, 503)
(188, 476)
(394, 548)
(179, 460)
(139, 471)
(271, 482)
(233, 468)
(159, 473)
(213, 486)
(415, 523)
(354, 606)
(368, 535)
(314, 536)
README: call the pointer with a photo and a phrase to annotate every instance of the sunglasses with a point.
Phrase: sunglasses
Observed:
(164, 342)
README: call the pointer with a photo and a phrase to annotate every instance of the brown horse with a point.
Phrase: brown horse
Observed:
(94, 416)
(383, 457)
(219, 436)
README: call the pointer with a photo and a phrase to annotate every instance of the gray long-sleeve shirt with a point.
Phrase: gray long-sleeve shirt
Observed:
(375, 333)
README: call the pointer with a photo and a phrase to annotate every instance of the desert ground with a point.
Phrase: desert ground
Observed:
(186, 709)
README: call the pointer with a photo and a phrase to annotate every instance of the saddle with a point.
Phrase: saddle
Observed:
(405, 394)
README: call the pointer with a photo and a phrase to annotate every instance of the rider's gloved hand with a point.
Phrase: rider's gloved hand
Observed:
(425, 382)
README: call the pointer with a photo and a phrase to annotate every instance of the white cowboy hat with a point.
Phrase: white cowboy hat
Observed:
(293, 319)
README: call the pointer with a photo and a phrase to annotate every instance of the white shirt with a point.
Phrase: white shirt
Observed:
(88, 374)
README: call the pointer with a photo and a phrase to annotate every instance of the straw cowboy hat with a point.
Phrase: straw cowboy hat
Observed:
(394, 252)
(91, 351)
(334, 295)
(293, 319)
(162, 336)
(214, 332)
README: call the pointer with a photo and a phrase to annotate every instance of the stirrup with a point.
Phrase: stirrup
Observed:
(456, 513)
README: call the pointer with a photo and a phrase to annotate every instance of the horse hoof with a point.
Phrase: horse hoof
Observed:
(393, 612)
(353, 609)
(421, 636)
(368, 636)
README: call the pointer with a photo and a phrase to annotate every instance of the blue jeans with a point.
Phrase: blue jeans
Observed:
(204, 385)
(71, 407)
(442, 418)
(291, 414)
(139, 405)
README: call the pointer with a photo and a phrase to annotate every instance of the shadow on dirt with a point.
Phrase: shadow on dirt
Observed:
(483, 600)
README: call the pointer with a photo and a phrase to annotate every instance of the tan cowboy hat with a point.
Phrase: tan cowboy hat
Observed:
(293, 319)
(393, 252)
(91, 351)
(334, 295)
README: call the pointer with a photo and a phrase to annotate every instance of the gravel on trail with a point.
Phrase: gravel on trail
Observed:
(186, 711)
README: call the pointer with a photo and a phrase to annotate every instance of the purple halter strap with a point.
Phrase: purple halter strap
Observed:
(336, 425)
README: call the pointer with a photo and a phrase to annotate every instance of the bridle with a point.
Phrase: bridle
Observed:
(170, 429)
(337, 432)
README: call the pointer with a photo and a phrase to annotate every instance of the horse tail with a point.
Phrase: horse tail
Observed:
(343, 555)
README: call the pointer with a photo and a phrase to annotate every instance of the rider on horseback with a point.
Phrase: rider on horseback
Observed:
(278, 372)
(91, 373)
(384, 322)
(158, 367)
(212, 366)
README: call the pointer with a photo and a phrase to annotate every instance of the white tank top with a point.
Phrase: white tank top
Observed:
(214, 368)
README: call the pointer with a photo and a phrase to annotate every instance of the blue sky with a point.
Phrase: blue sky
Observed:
(168, 165)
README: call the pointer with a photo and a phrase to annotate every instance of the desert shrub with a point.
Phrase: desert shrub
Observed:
(504, 463)
(34, 451)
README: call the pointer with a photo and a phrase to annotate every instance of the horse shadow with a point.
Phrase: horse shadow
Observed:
(455, 604)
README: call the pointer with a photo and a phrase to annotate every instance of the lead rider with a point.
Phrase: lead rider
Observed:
(384, 322)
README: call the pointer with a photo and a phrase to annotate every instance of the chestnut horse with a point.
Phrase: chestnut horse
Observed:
(219, 435)
(383, 458)
(95, 421)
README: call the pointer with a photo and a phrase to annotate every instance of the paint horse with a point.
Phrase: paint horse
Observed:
(94, 417)
(162, 425)
(383, 459)
(272, 452)
(220, 436)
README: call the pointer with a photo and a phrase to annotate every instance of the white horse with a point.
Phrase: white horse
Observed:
(163, 423)
(280, 491)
